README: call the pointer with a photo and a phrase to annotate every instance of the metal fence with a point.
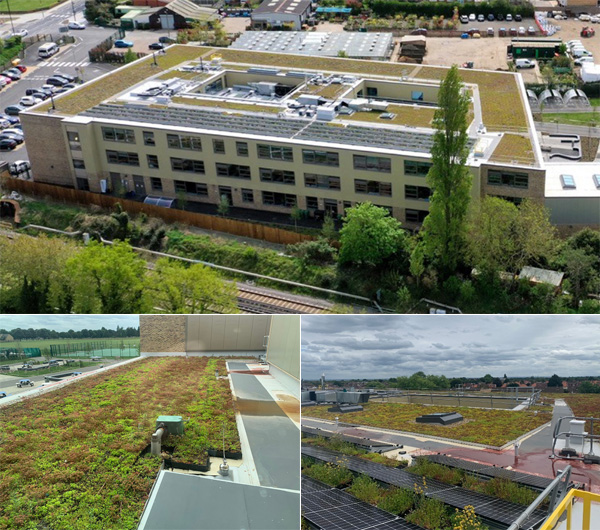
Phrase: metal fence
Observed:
(95, 349)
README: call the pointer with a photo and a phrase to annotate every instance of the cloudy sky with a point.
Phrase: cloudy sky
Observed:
(459, 345)
(67, 322)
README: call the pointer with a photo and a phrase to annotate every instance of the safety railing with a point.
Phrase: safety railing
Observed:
(566, 505)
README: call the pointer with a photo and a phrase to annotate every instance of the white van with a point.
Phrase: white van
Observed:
(47, 50)
(580, 52)
(586, 59)
(524, 63)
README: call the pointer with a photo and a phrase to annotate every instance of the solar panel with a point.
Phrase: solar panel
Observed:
(310, 485)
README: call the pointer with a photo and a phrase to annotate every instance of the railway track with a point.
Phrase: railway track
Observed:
(257, 301)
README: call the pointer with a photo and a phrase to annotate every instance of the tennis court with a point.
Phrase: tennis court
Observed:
(103, 349)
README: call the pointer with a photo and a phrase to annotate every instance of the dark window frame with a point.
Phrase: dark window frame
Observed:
(277, 176)
(118, 134)
(321, 158)
(123, 158)
(381, 164)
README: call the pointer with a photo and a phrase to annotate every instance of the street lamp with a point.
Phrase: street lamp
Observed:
(160, 52)
(52, 100)
(73, 8)
(12, 24)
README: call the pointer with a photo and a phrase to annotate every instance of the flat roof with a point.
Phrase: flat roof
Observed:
(317, 43)
(582, 174)
(494, 93)
(286, 7)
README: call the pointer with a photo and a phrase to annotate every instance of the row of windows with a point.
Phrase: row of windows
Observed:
(180, 141)
(506, 178)
(277, 175)
(114, 134)
(275, 152)
(372, 187)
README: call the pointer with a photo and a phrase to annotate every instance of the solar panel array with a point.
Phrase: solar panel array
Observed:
(486, 470)
(317, 43)
(333, 509)
(485, 506)
(365, 442)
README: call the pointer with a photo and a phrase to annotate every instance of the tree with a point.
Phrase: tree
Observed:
(369, 235)
(223, 206)
(444, 229)
(535, 236)
(555, 381)
(315, 252)
(108, 279)
(328, 230)
(296, 215)
(129, 56)
(194, 289)
(490, 242)
(579, 267)
(32, 275)
(487, 378)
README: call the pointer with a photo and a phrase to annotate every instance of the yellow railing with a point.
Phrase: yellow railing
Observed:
(567, 505)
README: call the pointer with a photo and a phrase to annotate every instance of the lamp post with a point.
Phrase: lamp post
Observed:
(73, 8)
(52, 100)
(160, 52)
(12, 24)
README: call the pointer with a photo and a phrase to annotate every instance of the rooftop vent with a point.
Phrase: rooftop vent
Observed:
(441, 418)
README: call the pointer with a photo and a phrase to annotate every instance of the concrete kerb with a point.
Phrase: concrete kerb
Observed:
(49, 387)
(439, 438)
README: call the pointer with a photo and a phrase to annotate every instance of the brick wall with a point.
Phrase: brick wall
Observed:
(162, 333)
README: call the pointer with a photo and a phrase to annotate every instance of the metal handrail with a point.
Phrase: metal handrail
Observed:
(567, 505)
(566, 434)
(557, 489)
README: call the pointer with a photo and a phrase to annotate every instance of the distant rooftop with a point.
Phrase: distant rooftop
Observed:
(289, 7)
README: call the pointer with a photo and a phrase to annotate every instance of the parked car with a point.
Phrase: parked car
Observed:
(522, 31)
(17, 133)
(490, 17)
(7, 80)
(584, 17)
(2, 395)
(490, 32)
(76, 373)
(595, 19)
(509, 18)
(157, 46)
(123, 44)
(166, 40)
(68, 77)
(19, 166)
(502, 32)
(4, 124)
(3, 81)
(19, 138)
(76, 25)
(472, 17)
(13, 110)
(587, 59)
(12, 119)
(36, 92)
(464, 19)
(20, 33)
(518, 18)
(480, 18)
(21, 68)
(29, 101)
(530, 30)
(7, 144)
(12, 75)
(500, 16)
(24, 382)
(56, 81)
(524, 63)
(50, 89)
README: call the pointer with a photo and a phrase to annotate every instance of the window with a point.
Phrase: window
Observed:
(74, 141)
(372, 187)
(312, 180)
(233, 171)
(331, 207)
(271, 198)
(505, 178)
(149, 138)
(152, 161)
(420, 193)
(373, 163)
(420, 169)
(225, 191)
(372, 91)
(78, 163)
(156, 183)
(113, 134)
(416, 96)
(277, 175)
(179, 141)
(275, 152)
(195, 188)
(347, 204)
(596, 179)
(389, 209)
(312, 203)
(242, 149)
(219, 147)
(321, 158)
(515, 200)
(415, 216)
(83, 184)
(568, 182)
(247, 195)
(189, 166)
(122, 157)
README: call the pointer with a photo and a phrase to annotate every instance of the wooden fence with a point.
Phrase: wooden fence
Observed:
(209, 222)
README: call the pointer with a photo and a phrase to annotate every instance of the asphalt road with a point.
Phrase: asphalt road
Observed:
(72, 59)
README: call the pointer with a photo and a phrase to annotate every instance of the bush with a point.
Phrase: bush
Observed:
(317, 252)
(397, 501)
(366, 489)
(430, 514)
(330, 474)
(383, 8)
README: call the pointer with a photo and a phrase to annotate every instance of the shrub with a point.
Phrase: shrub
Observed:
(430, 514)
(330, 474)
(397, 501)
(317, 252)
(366, 489)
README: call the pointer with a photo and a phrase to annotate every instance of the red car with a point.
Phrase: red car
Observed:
(21, 67)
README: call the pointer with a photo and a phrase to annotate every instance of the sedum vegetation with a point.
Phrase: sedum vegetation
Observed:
(71, 457)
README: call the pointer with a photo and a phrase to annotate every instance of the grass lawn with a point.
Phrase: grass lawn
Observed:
(249, 107)
(594, 102)
(405, 115)
(490, 427)
(573, 118)
(17, 6)
(71, 459)
(114, 343)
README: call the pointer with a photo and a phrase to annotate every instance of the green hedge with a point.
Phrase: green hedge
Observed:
(383, 8)
(11, 49)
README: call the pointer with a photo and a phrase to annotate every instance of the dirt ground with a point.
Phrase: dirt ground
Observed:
(235, 24)
(490, 53)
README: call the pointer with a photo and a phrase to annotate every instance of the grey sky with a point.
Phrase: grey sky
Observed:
(67, 322)
(355, 346)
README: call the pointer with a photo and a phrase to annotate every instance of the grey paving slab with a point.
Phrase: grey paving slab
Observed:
(184, 502)
(274, 438)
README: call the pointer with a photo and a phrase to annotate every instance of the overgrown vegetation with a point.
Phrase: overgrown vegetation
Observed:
(490, 427)
(70, 458)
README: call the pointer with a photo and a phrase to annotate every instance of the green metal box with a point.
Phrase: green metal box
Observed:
(174, 424)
